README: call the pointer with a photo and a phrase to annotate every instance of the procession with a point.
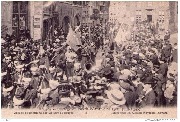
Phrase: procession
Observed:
(92, 66)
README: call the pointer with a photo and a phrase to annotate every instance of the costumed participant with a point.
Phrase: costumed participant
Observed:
(70, 60)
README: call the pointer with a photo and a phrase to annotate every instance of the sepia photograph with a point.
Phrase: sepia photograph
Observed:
(89, 59)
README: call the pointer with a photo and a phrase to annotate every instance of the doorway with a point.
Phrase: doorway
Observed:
(76, 20)
(65, 25)
(149, 18)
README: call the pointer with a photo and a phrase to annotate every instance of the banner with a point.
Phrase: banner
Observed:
(73, 39)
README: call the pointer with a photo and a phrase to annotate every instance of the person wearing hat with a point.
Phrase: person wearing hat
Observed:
(105, 62)
(78, 91)
(166, 52)
(129, 93)
(169, 92)
(85, 54)
(115, 97)
(53, 98)
(78, 71)
(7, 89)
(158, 89)
(18, 98)
(163, 69)
(174, 53)
(34, 83)
(154, 59)
(149, 96)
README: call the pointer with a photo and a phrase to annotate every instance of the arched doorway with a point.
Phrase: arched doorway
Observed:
(65, 26)
(76, 20)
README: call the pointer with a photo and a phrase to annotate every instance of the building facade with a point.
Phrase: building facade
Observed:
(39, 17)
(88, 10)
(134, 12)
(60, 14)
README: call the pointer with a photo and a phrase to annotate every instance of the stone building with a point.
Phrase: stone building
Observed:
(90, 6)
(61, 14)
(133, 12)
(39, 17)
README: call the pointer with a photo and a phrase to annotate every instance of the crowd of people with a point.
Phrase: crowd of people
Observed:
(100, 74)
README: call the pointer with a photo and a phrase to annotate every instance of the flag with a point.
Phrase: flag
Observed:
(73, 39)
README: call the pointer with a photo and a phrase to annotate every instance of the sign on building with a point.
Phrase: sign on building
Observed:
(38, 20)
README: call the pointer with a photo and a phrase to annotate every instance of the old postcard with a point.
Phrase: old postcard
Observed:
(89, 59)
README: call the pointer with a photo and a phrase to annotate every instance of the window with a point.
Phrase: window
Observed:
(138, 15)
(19, 17)
(161, 16)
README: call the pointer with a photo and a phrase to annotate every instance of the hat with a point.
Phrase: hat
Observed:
(123, 77)
(142, 56)
(77, 65)
(168, 93)
(3, 74)
(103, 79)
(126, 86)
(59, 73)
(160, 77)
(45, 93)
(35, 61)
(135, 53)
(7, 89)
(171, 79)
(148, 80)
(34, 69)
(42, 66)
(126, 71)
(116, 96)
(125, 74)
(51, 69)
(139, 72)
(65, 77)
(17, 102)
(26, 79)
(161, 62)
(114, 85)
(77, 79)
(19, 66)
(68, 47)
(134, 61)
(77, 99)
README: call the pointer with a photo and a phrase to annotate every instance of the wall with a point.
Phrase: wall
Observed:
(6, 17)
(173, 23)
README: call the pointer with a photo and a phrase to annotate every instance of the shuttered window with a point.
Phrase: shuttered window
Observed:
(19, 17)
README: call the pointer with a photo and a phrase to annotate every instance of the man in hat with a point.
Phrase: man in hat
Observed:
(169, 92)
(149, 97)
(129, 93)
(85, 55)
(166, 52)
(35, 82)
(115, 97)
(158, 89)
(7, 90)
(167, 35)
(163, 69)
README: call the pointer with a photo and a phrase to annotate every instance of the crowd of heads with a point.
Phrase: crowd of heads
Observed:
(99, 74)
